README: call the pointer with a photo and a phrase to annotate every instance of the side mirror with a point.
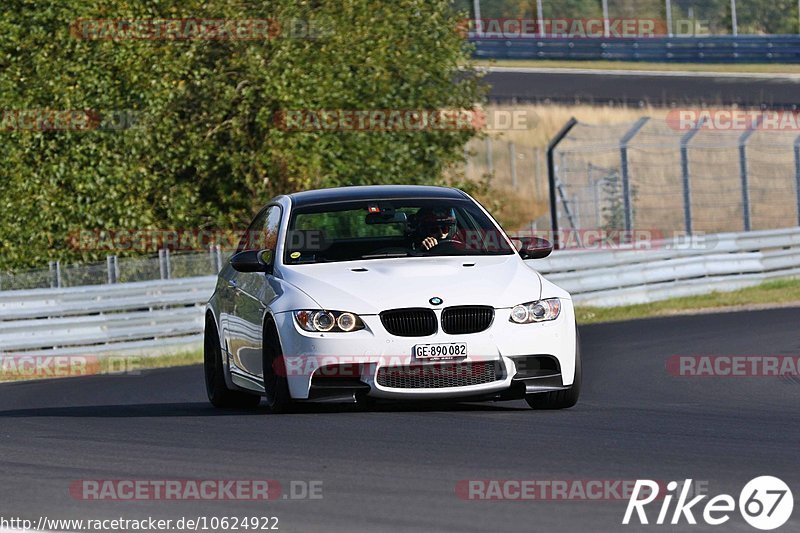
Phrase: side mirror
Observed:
(535, 248)
(253, 261)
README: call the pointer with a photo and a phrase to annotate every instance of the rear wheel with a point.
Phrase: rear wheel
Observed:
(562, 399)
(276, 385)
(218, 392)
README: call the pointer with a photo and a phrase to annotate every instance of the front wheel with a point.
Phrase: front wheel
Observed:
(562, 399)
(218, 392)
(276, 385)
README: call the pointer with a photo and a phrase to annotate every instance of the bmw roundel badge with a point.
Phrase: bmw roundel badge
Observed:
(436, 301)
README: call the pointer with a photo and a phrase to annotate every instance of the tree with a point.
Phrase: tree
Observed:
(207, 151)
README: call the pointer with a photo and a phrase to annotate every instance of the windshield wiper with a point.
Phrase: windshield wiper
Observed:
(387, 254)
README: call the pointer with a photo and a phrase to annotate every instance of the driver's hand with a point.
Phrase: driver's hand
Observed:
(429, 242)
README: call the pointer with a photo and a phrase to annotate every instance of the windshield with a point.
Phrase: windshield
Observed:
(375, 229)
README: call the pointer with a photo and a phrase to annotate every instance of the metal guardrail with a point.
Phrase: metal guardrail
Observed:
(707, 49)
(168, 314)
(118, 318)
(668, 269)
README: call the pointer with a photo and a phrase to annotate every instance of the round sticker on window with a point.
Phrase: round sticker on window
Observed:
(295, 255)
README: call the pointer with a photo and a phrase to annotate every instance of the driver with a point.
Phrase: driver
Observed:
(434, 225)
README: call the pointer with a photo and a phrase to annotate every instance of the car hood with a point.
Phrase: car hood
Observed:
(371, 286)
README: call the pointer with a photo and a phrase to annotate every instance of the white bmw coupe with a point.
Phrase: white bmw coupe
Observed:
(387, 292)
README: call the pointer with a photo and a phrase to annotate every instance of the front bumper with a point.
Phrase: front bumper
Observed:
(506, 345)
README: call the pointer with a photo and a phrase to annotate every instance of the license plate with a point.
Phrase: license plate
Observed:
(454, 350)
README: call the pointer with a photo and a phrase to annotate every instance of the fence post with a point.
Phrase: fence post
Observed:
(489, 158)
(743, 173)
(537, 155)
(212, 258)
(512, 155)
(163, 263)
(111, 267)
(626, 182)
(669, 18)
(55, 274)
(797, 175)
(476, 12)
(551, 176)
(595, 194)
(687, 186)
(540, 17)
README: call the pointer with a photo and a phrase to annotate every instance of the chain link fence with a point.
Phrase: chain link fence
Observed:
(516, 175)
(647, 175)
(118, 270)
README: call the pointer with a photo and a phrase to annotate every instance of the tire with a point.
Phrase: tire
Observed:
(276, 386)
(218, 392)
(365, 403)
(562, 399)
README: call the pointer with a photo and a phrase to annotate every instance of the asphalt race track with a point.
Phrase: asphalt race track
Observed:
(396, 468)
(658, 89)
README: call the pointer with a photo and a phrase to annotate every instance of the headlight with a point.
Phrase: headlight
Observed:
(328, 321)
(541, 311)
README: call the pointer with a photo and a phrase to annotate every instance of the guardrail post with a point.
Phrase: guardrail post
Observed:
(626, 181)
(687, 187)
(551, 173)
(163, 263)
(797, 175)
(743, 173)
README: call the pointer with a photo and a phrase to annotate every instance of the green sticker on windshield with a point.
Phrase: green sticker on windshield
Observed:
(295, 255)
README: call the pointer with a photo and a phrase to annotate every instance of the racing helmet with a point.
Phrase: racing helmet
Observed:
(432, 220)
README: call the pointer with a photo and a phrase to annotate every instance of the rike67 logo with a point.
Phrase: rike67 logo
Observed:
(765, 503)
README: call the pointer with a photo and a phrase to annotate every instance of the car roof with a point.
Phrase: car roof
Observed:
(373, 192)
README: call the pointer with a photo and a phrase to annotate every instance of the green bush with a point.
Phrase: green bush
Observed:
(206, 152)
